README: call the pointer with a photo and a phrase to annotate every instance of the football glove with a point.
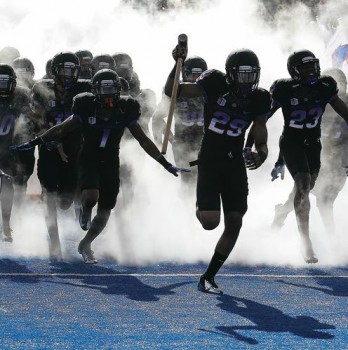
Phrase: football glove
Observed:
(175, 171)
(179, 52)
(279, 169)
(253, 160)
(26, 146)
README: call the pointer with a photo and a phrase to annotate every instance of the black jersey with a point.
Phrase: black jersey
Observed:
(189, 119)
(13, 120)
(103, 128)
(227, 117)
(54, 109)
(303, 105)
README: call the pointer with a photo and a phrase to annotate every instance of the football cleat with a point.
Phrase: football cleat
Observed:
(208, 285)
(309, 255)
(55, 253)
(85, 217)
(87, 254)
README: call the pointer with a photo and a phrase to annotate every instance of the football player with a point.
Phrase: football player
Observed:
(51, 101)
(124, 68)
(14, 125)
(85, 57)
(232, 102)
(102, 61)
(188, 120)
(332, 175)
(303, 99)
(99, 159)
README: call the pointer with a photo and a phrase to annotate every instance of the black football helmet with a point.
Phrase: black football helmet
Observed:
(85, 58)
(24, 69)
(242, 71)
(124, 65)
(304, 66)
(65, 68)
(193, 67)
(106, 86)
(8, 80)
(340, 78)
(103, 61)
(48, 70)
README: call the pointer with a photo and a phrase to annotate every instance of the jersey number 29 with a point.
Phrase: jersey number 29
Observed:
(234, 128)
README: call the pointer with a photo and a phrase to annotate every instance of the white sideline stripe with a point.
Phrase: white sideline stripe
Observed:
(158, 275)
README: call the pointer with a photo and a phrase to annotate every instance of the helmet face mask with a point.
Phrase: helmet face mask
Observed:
(124, 65)
(66, 74)
(124, 71)
(65, 69)
(242, 72)
(193, 67)
(8, 81)
(103, 61)
(85, 57)
(304, 66)
(106, 86)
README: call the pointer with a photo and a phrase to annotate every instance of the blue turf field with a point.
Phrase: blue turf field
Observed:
(108, 306)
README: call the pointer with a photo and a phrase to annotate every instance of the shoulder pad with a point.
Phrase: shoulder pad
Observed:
(280, 83)
(327, 80)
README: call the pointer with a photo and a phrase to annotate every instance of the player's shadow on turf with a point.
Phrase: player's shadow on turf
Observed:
(17, 272)
(328, 284)
(124, 283)
(269, 319)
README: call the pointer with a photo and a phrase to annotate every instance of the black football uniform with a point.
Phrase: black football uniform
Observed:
(16, 127)
(102, 132)
(188, 129)
(334, 155)
(303, 106)
(221, 168)
(53, 173)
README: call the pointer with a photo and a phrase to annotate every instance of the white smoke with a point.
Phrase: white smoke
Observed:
(158, 224)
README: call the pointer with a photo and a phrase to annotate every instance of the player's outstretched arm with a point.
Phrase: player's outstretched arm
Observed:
(151, 149)
(54, 133)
